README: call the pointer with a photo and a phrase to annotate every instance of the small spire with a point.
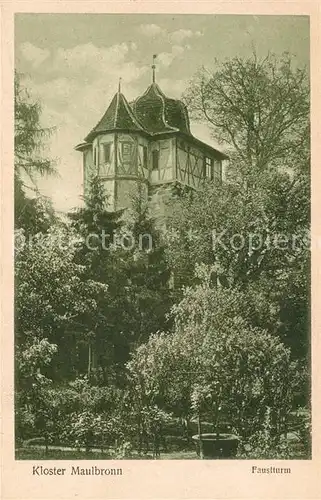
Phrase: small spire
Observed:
(119, 85)
(154, 68)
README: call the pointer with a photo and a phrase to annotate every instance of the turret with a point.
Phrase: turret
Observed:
(148, 141)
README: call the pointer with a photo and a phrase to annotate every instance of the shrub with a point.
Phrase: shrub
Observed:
(263, 444)
(214, 363)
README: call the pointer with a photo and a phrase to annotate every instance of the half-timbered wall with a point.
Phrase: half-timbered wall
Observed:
(127, 151)
(123, 159)
(121, 155)
(132, 156)
(131, 166)
(120, 160)
(190, 164)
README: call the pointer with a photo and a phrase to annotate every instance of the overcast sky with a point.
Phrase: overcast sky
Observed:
(72, 63)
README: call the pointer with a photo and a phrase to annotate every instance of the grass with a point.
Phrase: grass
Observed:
(179, 455)
(40, 454)
(34, 449)
(58, 454)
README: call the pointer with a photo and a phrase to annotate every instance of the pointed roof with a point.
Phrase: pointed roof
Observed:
(151, 114)
(119, 116)
(158, 113)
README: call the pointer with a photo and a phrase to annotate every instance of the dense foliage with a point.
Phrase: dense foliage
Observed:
(217, 364)
(136, 329)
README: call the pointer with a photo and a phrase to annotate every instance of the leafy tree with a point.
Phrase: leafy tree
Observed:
(251, 243)
(53, 295)
(215, 363)
(260, 110)
(31, 384)
(258, 107)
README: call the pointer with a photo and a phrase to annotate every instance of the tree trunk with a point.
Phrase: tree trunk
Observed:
(89, 359)
(46, 444)
(140, 436)
(199, 426)
(87, 444)
(92, 356)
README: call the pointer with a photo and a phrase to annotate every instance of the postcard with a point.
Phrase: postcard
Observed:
(160, 250)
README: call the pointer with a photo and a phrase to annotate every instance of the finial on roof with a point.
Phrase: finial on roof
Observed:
(154, 68)
(119, 86)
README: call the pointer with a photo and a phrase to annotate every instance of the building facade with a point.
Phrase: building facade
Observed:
(147, 141)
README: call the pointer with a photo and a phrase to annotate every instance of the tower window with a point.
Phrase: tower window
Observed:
(208, 168)
(126, 149)
(145, 156)
(106, 152)
(217, 170)
(155, 159)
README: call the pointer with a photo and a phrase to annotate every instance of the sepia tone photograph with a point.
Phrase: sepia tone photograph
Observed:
(162, 238)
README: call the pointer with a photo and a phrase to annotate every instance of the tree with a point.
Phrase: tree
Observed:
(215, 363)
(146, 269)
(125, 252)
(254, 227)
(96, 226)
(54, 296)
(88, 415)
(30, 136)
(258, 108)
(31, 404)
(250, 243)
(94, 217)
(33, 215)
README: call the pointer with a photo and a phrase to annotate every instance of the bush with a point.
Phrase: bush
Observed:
(215, 364)
(301, 426)
(263, 444)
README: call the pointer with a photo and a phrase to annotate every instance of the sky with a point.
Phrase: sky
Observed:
(72, 64)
